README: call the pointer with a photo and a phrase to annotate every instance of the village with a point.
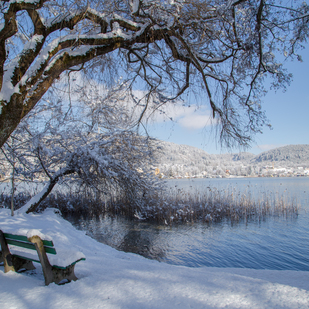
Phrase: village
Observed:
(181, 171)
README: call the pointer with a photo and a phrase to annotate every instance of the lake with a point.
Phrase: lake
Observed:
(280, 243)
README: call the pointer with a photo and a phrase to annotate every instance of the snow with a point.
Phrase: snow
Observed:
(25, 1)
(135, 5)
(7, 88)
(113, 279)
(34, 232)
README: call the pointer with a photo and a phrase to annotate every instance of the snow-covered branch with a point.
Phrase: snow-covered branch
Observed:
(218, 44)
(103, 159)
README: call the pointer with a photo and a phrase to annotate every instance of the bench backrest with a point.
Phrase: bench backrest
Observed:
(22, 241)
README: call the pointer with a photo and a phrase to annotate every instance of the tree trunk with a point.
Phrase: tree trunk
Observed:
(35, 201)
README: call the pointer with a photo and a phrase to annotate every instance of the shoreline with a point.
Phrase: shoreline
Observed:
(114, 279)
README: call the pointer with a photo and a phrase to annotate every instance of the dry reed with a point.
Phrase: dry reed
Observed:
(174, 206)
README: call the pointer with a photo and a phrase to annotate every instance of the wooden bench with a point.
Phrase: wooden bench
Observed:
(20, 261)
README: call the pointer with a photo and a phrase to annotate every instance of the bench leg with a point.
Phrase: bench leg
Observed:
(62, 274)
(6, 254)
(20, 264)
(12, 262)
(51, 273)
(46, 267)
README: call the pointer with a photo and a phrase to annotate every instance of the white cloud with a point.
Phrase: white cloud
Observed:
(196, 120)
(189, 117)
(171, 111)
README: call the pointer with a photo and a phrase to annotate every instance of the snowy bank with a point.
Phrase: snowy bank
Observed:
(112, 279)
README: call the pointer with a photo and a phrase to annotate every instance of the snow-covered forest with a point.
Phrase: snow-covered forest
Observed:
(178, 161)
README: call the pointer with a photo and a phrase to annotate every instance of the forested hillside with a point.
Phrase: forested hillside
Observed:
(174, 160)
(289, 154)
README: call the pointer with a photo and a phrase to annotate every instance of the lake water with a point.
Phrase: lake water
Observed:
(280, 243)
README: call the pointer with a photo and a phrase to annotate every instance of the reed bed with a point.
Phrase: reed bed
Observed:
(172, 206)
(213, 205)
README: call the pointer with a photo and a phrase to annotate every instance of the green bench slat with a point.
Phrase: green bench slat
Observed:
(48, 243)
(61, 267)
(27, 258)
(26, 245)
(23, 242)
(38, 261)
(29, 245)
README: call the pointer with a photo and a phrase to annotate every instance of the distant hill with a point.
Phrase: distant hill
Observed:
(292, 153)
(179, 154)
(173, 159)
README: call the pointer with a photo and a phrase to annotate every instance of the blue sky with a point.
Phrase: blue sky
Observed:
(288, 112)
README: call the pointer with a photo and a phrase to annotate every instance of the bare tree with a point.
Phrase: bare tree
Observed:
(223, 48)
(74, 148)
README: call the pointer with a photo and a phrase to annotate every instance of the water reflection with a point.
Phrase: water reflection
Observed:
(124, 235)
(271, 243)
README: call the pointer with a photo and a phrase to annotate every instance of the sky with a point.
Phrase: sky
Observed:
(288, 113)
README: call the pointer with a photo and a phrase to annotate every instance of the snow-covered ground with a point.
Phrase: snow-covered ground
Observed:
(112, 279)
